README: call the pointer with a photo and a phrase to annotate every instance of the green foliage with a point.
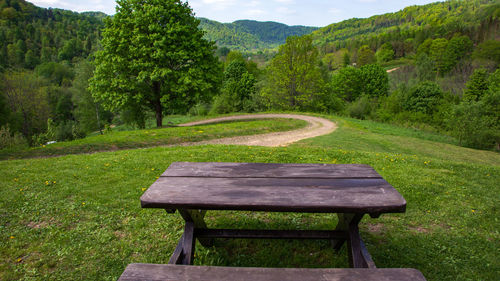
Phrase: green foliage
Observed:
(237, 90)
(350, 83)
(30, 35)
(477, 85)
(361, 108)
(385, 53)
(473, 127)
(11, 140)
(365, 56)
(375, 81)
(89, 114)
(425, 67)
(295, 79)
(488, 50)
(424, 98)
(407, 29)
(165, 65)
(56, 73)
(458, 47)
(28, 101)
(346, 83)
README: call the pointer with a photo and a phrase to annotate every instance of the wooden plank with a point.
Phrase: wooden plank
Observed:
(269, 234)
(274, 194)
(269, 170)
(157, 272)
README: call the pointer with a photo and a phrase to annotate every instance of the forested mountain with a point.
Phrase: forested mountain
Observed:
(408, 28)
(250, 35)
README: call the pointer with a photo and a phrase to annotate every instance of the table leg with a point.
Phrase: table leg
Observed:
(359, 257)
(184, 252)
(343, 225)
(196, 217)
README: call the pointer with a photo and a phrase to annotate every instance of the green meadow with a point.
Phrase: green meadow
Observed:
(78, 216)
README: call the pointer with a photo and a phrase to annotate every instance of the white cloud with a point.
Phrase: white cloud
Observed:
(335, 11)
(285, 11)
(255, 12)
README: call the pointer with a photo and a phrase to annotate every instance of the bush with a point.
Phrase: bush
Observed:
(11, 140)
(423, 97)
(200, 109)
(472, 126)
(361, 108)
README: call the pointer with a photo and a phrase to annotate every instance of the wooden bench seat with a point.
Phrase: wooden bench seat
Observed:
(168, 272)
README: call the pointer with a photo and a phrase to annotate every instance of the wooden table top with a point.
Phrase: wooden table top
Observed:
(324, 188)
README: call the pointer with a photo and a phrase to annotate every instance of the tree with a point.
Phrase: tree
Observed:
(154, 54)
(375, 81)
(423, 97)
(365, 56)
(488, 50)
(237, 90)
(295, 79)
(88, 113)
(477, 85)
(385, 53)
(347, 83)
(457, 48)
(437, 52)
(27, 101)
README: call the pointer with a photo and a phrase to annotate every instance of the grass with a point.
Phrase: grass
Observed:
(78, 216)
(117, 140)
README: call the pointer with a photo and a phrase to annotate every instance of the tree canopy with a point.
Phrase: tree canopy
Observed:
(154, 54)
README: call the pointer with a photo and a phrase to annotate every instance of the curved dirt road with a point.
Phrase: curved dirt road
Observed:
(317, 127)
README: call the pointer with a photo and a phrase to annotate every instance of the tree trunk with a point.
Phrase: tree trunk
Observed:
(157, 104)
(159, 115)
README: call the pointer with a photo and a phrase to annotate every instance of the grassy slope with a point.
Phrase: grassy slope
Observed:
(155, 137)
(78, 216)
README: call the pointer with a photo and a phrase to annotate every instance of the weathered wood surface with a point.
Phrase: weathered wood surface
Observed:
(273, 187)
(269, 170)
(270, 234)
(157, 272)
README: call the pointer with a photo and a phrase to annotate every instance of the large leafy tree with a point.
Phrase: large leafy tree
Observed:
(154, 55)
(295, 79)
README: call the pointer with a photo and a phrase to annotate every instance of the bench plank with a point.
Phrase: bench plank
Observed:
(157, 272)
(269, 170)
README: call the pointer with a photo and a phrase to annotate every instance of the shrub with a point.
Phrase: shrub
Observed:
(361, 108)
(11, 140)
(423, 97)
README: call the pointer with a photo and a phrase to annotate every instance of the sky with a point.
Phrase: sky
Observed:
(292, 12)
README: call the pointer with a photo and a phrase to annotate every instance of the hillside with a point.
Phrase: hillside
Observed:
(248, 35)
(30, 35)
(406, 29)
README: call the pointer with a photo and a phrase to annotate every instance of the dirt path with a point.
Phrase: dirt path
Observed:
(394, 69)
(317, 127)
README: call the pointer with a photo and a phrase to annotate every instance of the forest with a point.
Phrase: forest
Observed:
(431, 67)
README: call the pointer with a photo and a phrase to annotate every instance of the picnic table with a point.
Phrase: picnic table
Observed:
(350, 191)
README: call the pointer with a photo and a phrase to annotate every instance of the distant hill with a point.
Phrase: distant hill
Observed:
(478, 19)
(250, 35)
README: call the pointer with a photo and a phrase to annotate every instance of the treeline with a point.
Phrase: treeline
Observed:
(409, 28)
(249, 35)
(43, 73)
